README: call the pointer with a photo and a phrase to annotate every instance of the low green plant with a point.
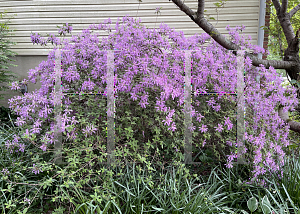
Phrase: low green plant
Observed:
(160, 192)
(133, 189)
(7, 116)
(288, 182)
(277, 196)
(19, 186)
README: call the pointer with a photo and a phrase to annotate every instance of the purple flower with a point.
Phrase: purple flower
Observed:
(35, 38)
(5, 171)
(199, 117)
(229, 143)
(219, 128)
(22, 147)
(192, 128)
(176, 148)
(157, 10)
(228, 123)
(257, 158)
(37, 123)
(20, 121)
(88, 84)
(36, 170)
(8, 144)
(160, 105)
(53, 39)
(36, 130)
(229, 165)
(173, 127)
(26, 200)
(43, 147)
(15, 86)
(89, 129)
(216, 108)
(66, 28)
(144, 97)
(43, 42)
(72, 75)
(211, 101)
(143, 104)
(167, 121)
(203, 128)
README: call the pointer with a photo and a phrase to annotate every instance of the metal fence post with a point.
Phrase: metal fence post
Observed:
(240, 107)
(57, 109)
(110, 108)
(187, 108)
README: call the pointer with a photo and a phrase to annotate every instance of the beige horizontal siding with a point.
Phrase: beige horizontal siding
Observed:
(43, 16)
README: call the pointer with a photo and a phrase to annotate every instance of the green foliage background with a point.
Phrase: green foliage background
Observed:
(277, 41)
(5, 43)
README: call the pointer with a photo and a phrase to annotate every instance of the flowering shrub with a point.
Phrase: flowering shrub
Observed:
(149, 68)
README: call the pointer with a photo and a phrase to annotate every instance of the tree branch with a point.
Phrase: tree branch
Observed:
(200, 11)
(294, 10)
(277, 64)
(224, 42)
(277, 6)
(188, 11)
(206, 26)
(284, 6)
(294, 125)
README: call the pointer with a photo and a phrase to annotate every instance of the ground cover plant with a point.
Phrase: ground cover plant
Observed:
(222, 190)
(84, 115)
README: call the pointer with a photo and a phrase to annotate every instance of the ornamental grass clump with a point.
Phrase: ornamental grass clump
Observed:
(149, 86)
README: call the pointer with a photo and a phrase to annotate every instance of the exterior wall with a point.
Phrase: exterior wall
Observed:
(43, 16)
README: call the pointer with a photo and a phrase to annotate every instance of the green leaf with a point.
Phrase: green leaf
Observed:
(264, 27)
(158, 209)
(24, 211)
(293, 81)
(252, 204)
(265, 205)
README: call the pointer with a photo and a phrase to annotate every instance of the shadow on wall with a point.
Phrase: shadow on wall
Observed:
(25, 63)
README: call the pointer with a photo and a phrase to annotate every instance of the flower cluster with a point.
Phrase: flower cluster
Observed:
(5, 171)
(36, 169)
(65, 29)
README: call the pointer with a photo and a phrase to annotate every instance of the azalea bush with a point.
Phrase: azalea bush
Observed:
(149, 89)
